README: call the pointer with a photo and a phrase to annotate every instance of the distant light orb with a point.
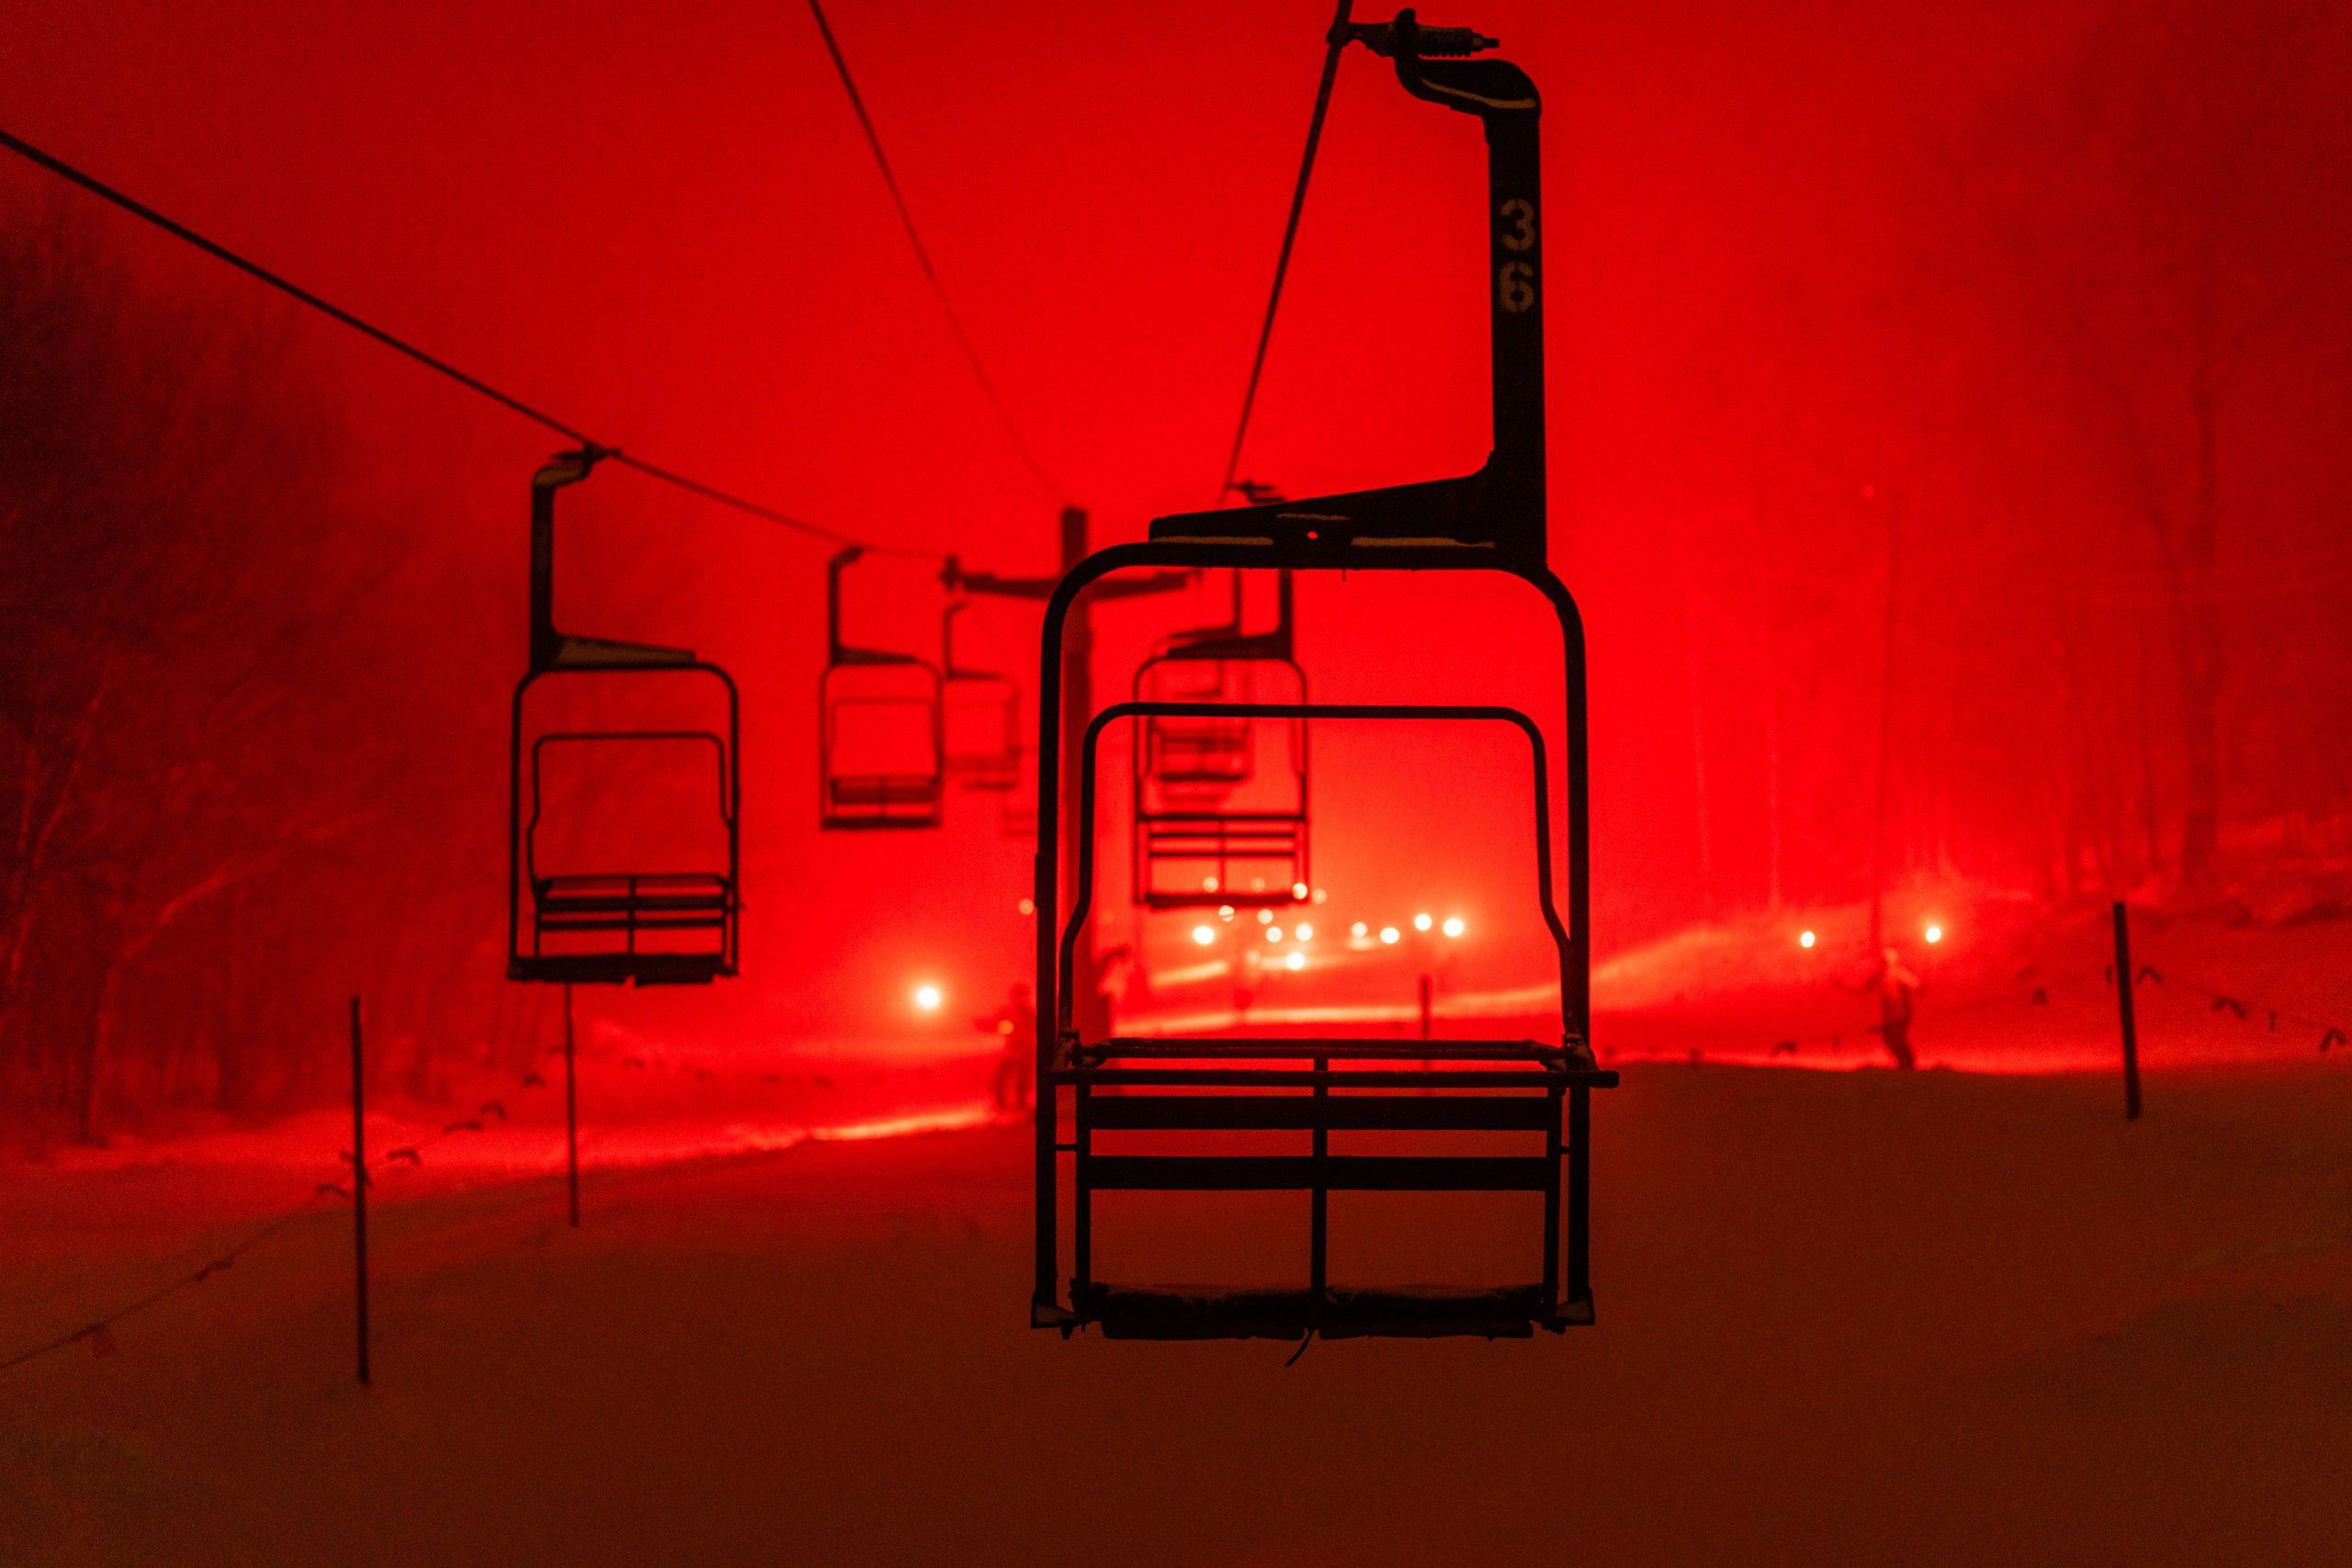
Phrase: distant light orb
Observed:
(1320, 895)
(1265, 917)
(1208, 884)
(1805, 940)
(1295, 961)
(1359, 929)
(1421, 922)
(1935, 933)
(1257, 884)
(926, 997)
(1028, 906)
(1306, 934)
(1453, 926)
(1298, 889)
(1273, 933)
(1204, 935)
(1388, 933)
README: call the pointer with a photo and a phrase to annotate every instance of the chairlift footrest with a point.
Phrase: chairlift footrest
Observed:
(1141, 1312)
(620, 968)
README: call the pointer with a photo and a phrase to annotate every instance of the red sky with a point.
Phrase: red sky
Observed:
(664, 226)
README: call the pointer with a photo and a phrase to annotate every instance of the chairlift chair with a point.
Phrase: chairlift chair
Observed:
(981, 717)
(1209, 828)
(1523, 1087)
(1492, 520)
(881, 746)
(626, 924)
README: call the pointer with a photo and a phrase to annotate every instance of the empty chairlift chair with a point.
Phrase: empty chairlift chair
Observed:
(1182, 1091)
(1322, 1087)
(606, 916)
(980, 718)
(1220, 806)
(881, 746)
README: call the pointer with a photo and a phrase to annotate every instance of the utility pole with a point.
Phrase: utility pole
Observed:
(1090, 1009)
(1886, 722)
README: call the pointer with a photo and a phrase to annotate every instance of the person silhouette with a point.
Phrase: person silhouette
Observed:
(1896, 986)
(1016, 1023)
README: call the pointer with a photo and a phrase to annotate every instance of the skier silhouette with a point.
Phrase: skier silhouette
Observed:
(1016, 1022)
(1896, 986)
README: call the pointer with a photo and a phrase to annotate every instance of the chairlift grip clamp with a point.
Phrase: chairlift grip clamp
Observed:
(1405, 37)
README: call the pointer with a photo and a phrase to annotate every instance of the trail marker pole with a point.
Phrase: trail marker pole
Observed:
(570, 1109)
(2123, 1001)
(359, 1178)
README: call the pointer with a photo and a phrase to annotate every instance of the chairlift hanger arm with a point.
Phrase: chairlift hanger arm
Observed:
(1231, 642)
(989, 582)
(837, 653)
(1500, 506)
(550, 649)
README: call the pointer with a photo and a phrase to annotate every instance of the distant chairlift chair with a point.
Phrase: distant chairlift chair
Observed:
(980, 718)
(881, 742)
(1211, 829)
(1492, 520)
(670, 926)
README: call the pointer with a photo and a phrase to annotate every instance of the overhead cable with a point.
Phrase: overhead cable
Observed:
(473, 383)
(923, 258)
(1337, 40)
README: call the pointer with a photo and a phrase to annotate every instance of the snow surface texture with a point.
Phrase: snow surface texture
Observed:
(1855, 1318)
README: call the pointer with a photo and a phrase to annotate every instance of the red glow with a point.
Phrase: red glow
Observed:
(1776, 310)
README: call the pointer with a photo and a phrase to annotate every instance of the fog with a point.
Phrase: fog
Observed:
(1963, 400)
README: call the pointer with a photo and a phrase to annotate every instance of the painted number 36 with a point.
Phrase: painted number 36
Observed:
(1515, 281)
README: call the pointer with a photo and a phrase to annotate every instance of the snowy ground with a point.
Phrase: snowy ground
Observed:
(1853, 1316)
(1845, 1318)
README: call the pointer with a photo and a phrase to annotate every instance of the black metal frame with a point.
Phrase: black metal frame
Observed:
(1212, 831)
(865, 802)
(1492, 520)
(993, 771)
(627, 902)
(1494, 1098)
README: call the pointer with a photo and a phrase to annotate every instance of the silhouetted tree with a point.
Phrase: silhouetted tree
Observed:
(204, 687)
(2157, 216)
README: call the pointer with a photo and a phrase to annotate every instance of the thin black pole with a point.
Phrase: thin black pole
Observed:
(359, 1177)
(1425, 1017)
(570, 1109)
(2124, 1000)
(1885, 728)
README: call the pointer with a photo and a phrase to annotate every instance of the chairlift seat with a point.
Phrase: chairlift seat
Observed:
(1492, 1086)
(883, 792)
(1276, 839)
(685, 901)
(630, 905)
(600, 920)
(601, 917)
(984, 751)
(1190, 830)
(1193, 1311)
(1215, 753)
(1321, 1086)
(888, 797)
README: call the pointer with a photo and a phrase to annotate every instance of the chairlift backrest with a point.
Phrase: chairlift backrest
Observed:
(982, 716)
(1210, 826)
(881, 743)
